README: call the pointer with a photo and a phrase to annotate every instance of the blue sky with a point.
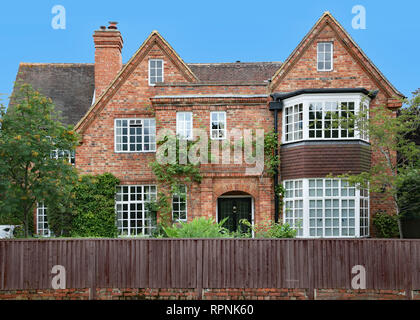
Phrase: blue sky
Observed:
(208, 31)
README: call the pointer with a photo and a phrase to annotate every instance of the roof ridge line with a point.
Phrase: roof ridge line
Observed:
(54, 63)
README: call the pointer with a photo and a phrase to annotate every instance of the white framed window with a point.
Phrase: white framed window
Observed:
(323, 117)
(326, 208)
(325, 56)
(133, 216)
(294, 122)
(64, 154)
(184, 125)
(218, 125)
(364, 108)
(41, 221)
(293, 205)
(179, 205)
(364, 213)
(155, 71)
(135, 135)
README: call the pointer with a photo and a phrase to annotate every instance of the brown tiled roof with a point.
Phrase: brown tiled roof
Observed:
(235, 72)
(69, 85)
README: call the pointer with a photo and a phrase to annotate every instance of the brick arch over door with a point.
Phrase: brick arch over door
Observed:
(248, 188)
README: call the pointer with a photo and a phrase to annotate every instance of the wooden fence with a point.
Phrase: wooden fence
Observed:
(210, 263)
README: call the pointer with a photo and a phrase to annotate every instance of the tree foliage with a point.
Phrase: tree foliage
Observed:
(396, 154)
(30, 130)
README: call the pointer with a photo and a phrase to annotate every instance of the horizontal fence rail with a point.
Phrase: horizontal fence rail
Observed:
(210, 263)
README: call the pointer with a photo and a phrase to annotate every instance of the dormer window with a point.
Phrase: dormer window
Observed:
(155, 71)
(325, 56)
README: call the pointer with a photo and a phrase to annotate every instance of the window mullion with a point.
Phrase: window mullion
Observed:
(357, 212)
(305, 186)
(305, 119)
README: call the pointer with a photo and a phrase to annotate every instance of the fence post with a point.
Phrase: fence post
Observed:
(92, 269)
(199, 283)
(311, 270)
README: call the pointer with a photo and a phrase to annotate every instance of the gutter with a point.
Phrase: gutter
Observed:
(278, 96)
(276, 106)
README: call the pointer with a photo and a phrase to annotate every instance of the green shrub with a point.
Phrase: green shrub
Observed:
(94, 206)
(268, 229)
(197, 228)
(386, 226)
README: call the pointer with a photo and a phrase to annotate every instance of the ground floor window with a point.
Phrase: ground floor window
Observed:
(133, 216)
(179, 204)
(41, 221)
(326, 208)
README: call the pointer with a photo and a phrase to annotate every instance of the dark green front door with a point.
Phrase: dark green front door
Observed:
(234, 209)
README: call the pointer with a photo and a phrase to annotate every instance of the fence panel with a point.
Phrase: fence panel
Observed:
(210, 263)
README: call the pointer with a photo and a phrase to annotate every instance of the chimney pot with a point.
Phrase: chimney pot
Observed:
(112, 25)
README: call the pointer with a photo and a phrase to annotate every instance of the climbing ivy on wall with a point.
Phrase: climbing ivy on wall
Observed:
(170, 177)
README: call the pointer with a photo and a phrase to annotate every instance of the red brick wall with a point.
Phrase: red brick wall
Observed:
(209, 294)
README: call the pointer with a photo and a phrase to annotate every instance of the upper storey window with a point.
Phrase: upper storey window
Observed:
(135, 135)
(155, 71)
(325, 56)
(184, 125)
(218, 125)
(322, 116)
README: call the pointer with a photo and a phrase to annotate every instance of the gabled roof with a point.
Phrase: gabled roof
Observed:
(356, 52)
(128, 68)
(69, 85)
(235, 72)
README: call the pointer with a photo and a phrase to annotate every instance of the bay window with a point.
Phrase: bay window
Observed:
(323, 116)
(326, 208)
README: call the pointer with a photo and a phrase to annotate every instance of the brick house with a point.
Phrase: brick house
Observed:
(119, 108)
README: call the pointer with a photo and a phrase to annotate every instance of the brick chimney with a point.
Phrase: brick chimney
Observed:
(108, 60)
